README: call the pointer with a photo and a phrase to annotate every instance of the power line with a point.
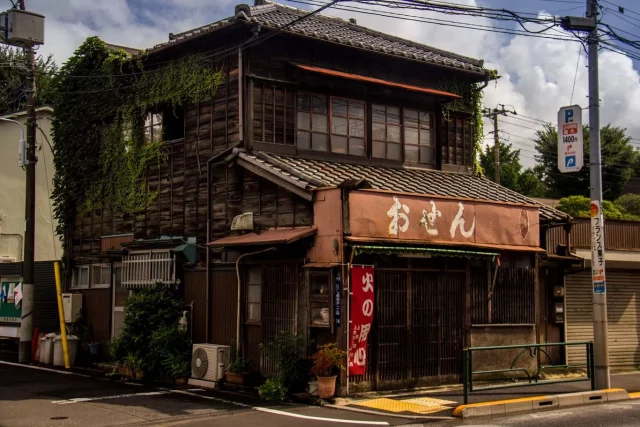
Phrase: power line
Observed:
(624, 9)
(575, 77)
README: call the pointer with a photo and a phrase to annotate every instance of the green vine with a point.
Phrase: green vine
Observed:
(101, 98)
(470, 103)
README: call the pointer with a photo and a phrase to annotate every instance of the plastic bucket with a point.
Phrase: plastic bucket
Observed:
(48, 349)
(58, 355)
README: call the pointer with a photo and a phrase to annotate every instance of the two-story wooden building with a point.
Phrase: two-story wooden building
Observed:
(327, 145)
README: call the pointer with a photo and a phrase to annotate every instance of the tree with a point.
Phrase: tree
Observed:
(579, 207)
(530, 184)
(618, 158)
(510, 166)
(511, 175)
(630, 204)
(13, 96)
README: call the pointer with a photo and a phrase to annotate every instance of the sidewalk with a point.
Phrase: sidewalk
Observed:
(440, 402)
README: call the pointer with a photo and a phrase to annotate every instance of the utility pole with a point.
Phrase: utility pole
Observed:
(600, 322)
(26, 322)
(598, 275)
(493, 115)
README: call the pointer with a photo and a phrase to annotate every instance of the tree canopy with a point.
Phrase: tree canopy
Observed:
(13, 73)
(619, 160)
(512, 176)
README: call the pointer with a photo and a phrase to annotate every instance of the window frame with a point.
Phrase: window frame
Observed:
(329, 133)
(321, 300)
(419, 129)
(247, 303)
(75, 277)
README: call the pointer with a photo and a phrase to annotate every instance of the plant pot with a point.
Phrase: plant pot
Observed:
(125, 371)
(234, 378)
(326, 387)
(94, 349)
(139, 374)
(181, 380)
(313, 388)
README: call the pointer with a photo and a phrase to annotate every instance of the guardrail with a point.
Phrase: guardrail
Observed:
(533, 350)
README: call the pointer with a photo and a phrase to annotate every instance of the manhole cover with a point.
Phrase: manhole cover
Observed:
(58, 418)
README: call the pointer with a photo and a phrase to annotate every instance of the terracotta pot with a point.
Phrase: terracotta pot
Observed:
(326, 387)
(234, 378)
(181, 380)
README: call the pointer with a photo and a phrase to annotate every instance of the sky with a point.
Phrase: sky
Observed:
(538, 75)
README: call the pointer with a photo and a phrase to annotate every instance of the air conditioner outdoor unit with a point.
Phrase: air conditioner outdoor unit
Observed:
(242, 222)
(209, 361)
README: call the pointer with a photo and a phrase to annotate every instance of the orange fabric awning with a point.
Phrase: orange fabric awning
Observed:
(267, 237)
(357, 77)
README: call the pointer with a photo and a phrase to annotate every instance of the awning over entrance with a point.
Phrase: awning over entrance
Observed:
(366, 79)
(422, 251)
(443, 247)
(267, 237)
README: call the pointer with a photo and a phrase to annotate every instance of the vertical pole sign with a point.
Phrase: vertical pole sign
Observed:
(570, 143)
(337, 306)
(361, 311)
(597, 249)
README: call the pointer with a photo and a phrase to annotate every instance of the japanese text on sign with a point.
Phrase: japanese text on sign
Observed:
(361, 310)
(399, 215)
(570, 143)
(597, 249)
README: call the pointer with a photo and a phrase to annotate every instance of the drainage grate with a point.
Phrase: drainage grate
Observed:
(58, 418)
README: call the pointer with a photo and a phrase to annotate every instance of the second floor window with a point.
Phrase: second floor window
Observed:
(330, 124)
(402, 134)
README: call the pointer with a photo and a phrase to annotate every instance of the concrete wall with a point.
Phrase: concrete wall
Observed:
(12, 191)
(498, 335)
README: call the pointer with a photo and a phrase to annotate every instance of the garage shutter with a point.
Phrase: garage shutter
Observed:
(623, 312)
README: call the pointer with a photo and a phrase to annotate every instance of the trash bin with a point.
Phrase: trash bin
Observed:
(41, 346)
(47, 358)
(58, 355)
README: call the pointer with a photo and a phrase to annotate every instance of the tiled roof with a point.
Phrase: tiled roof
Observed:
(309, 174)
(336, 30)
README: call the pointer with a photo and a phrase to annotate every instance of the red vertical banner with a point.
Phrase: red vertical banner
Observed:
(361, 313)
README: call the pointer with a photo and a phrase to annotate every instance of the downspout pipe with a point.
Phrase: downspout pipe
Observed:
(238, 317)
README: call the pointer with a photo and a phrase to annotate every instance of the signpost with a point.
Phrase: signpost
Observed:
(570, 141)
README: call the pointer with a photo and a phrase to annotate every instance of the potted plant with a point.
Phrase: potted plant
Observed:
(328, 361)
(177, 365)
(235, 373)
(131, 366)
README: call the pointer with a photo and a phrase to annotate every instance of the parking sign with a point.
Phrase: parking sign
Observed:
(570, 143)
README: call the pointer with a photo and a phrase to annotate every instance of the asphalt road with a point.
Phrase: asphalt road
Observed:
(32, 397)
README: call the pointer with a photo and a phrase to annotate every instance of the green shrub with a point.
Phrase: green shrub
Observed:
(286, 352)
(151, 336)
(273, 389)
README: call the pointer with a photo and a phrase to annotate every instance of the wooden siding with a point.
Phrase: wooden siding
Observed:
(223, 301)
(114, 242)
(195, 290)
(180, 209)
(618, 235)
(96, 307)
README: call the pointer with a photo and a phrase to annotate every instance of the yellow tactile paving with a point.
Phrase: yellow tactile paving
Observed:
(418, 406)
(635, 395)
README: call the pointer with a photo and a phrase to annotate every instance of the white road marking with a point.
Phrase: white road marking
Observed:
(201, 396)
(115, 396)
(331, 420)
(60, 371)
(42, 368)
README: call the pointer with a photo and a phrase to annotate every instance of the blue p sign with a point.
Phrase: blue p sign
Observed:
(568, 115)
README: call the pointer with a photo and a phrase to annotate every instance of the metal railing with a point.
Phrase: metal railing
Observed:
(533, 350)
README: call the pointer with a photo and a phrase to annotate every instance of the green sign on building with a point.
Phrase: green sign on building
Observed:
(8, 311)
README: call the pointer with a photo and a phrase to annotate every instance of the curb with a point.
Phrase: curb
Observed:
(532, 404)
(390, 414)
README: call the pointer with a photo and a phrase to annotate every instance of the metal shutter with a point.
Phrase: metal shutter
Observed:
(623, 312)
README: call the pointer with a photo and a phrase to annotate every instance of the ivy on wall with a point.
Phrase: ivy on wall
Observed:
(470, 103)
(101, 98)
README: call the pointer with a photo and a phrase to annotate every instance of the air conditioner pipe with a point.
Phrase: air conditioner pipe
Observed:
(240, 289)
